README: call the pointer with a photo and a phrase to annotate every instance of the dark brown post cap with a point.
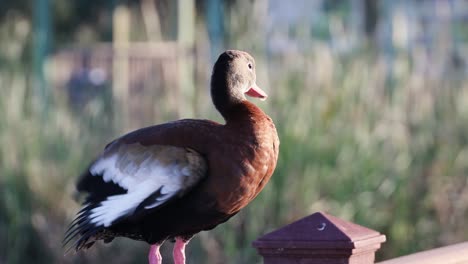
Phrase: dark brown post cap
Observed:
(320, 238)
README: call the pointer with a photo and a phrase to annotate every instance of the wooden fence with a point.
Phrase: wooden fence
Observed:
(325, 239)
(135, 76)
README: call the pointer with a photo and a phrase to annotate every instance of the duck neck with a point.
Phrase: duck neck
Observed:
(243, 114)
(223, 99)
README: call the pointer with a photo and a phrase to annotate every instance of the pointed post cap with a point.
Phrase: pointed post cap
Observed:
(320, 238)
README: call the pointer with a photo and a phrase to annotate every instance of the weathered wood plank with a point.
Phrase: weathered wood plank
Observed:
(453, 254)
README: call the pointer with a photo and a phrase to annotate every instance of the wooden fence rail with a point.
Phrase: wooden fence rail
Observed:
(136, 76)
(453, 254)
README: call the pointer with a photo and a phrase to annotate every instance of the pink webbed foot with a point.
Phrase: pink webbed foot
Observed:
(154, 257)
(179, 251)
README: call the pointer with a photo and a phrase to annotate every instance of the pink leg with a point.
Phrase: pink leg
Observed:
(154, 257)
(179, 251)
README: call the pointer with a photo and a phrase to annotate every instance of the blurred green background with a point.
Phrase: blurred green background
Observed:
(370, 99)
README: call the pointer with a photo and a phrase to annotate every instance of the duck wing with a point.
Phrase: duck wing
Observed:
(130, 180)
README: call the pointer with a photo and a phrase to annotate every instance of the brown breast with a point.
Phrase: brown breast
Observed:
(243, 159)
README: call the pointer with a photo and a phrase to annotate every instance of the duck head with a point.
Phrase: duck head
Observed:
(234, 77)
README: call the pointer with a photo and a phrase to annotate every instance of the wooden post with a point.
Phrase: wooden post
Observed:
(215, 26)
(186, 39)
(41, 38)
(120, 77)
(320, 238)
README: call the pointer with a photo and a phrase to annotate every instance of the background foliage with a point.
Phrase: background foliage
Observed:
(370, 102)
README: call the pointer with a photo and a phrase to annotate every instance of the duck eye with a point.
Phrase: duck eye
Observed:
(250, 65)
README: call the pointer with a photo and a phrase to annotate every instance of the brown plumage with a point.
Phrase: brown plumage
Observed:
(202, 172)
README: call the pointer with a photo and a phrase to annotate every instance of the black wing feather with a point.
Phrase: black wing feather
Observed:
(81, 227)
(97, 188)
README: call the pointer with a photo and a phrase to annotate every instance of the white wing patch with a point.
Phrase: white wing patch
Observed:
(142, 171)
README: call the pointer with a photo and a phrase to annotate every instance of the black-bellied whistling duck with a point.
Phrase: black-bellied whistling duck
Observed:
(173, 180)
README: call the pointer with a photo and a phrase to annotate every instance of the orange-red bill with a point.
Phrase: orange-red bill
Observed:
(255, 91)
